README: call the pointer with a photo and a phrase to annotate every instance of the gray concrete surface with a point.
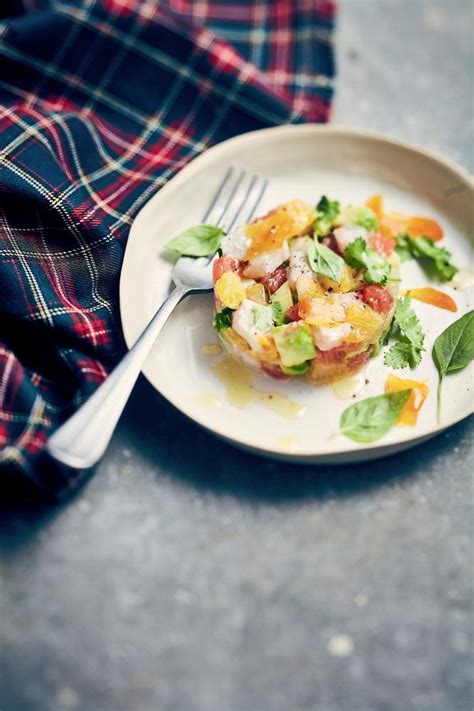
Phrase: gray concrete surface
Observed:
(189, 576)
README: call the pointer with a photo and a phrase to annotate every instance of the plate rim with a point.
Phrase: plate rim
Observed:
(195, 165)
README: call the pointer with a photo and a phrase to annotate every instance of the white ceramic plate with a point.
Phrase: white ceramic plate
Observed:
(299, 161)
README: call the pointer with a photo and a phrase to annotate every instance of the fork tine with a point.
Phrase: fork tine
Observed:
(224, 194)
(261, 191)
(242, 203)
(245, 200)
(232, 198)
(218, 193)
(239, 194)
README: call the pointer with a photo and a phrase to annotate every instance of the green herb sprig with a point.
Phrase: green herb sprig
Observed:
(368, 420)
(435, 259)
(326, 212)
(198, 241)
(324, 261)
(360, 256)
(407, 328)
(453, 350)
(222, 320)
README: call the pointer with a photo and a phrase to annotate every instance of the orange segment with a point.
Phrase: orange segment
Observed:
(424, 227)
(375, 203)
(434, 297)
(289, 220)
(393, 223)
(409, 414)
(350, 281)
(230, 290)
(366, 323)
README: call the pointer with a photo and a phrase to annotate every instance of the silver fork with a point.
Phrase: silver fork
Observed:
(82, 440)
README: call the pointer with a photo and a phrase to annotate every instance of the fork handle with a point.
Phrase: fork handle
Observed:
(82, 440)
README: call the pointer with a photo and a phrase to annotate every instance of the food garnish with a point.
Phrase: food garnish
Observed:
(453, 350)
(419, 393)
(370, 419)
(406, 327)
(360, 256)
(313, 291)
(434, 259)
(198, 241)
(428, 295)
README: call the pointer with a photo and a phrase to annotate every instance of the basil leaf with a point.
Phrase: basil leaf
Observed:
(323, 260)
(368, 420)
(222, 320)
(327, 211)
(360, 256)
(198, 241)
(454, 349)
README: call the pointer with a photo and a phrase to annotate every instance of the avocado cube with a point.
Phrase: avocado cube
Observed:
(296, 369)
(358, 215)
(283, 300)
(294, 343)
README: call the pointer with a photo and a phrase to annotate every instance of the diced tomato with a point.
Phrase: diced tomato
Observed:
(222, 265)
(342, 356)
(334, 355)
(383, 243)
(292, 313)
(378, 298)
(331, 243)
(274, 371)
(276, 279)
(304, 308)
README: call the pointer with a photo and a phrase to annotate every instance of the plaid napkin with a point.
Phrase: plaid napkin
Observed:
(101, 102)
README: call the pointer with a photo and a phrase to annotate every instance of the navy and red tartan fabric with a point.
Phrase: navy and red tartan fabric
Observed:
(101, 102)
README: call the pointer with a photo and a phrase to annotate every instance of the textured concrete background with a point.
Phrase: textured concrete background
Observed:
(198, 578)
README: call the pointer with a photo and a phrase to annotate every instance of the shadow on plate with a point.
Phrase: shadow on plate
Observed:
(171, 442)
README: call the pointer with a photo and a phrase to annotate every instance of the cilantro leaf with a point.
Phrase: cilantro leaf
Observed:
(323, 260)
(327, 210)
(401, 355)
(423, 247)
(404, 247)
(431, 256)
(408, 322)
(360, 256)
(222, 320)
(409, 347)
